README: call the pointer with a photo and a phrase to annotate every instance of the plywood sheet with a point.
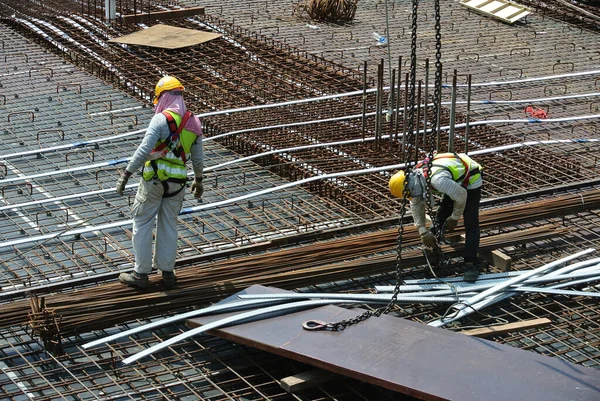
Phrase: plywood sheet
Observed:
(415, 359)
(166, 37)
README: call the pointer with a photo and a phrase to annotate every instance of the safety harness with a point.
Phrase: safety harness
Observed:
(463, 178)
(171, 144)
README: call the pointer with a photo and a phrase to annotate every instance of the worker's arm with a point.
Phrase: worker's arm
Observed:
(442, 181)
(157, 129)
(197, 156)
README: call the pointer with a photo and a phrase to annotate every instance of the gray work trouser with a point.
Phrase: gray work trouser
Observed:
(150, 205)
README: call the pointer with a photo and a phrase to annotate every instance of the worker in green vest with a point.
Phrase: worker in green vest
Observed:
(458, 179)
(173, 136)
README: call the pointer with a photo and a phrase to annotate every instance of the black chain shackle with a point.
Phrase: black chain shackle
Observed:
(342, 324)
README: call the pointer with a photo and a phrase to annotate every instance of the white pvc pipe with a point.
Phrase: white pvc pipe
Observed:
(228, 321)
(421, 297)
(257, 129)
(470, 305)
(476, 287)
(587, 266)
(264, 191)
(228, 306)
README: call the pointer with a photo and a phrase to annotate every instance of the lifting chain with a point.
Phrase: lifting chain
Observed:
(434, 138)
(342, 324)
(435, 127)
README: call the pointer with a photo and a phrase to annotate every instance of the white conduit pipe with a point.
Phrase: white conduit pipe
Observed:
(525, 276)
(387, 88)
(476, 287)
(292, 149)
(71, 145)
(476, 152)
(490, 276)
(484, 276)
(420, 297)
(489, 295)
(253, 194)
(443, 128)
(543, 290)
(256, 129)
(230, 320)
(65, 171)
(501, 297)
(584, 267)
(217, 308)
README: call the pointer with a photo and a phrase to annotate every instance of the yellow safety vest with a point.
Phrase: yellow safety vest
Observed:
(170, 166)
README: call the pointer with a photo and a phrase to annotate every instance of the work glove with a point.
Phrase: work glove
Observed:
(428, 239)
(450, 225)
(197, 188)
(122, 181)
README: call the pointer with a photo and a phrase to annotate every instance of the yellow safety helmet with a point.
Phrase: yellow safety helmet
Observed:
(166, 83)
(397, 184)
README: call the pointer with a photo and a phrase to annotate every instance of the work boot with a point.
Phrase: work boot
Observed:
(169, 279)
(471, 273)
(135, 279)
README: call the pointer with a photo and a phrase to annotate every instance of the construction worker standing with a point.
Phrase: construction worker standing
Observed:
(173, 136)
(458, 178)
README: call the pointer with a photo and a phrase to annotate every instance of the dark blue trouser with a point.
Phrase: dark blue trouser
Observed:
(471, 221)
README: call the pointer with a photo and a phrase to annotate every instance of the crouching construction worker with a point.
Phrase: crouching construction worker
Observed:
(458, 178)
(173, 136)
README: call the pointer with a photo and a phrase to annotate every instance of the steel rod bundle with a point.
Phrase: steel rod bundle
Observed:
(107, 305)
(320, 262)
(328, 10)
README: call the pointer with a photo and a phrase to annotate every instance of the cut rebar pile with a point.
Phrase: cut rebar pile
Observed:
(328, 10)
(320, 262)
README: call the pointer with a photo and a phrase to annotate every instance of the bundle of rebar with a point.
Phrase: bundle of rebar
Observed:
(328, 10)
(107, 305)
(345, 258)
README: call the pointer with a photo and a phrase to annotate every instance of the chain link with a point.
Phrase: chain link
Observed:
(435, 127)
(342, 324)
(410, 128)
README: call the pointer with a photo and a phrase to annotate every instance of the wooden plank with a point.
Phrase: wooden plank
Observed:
(498, 259)
(166, 37)
(507, 328)
(162, 15)
(306, 380)
(414, 359)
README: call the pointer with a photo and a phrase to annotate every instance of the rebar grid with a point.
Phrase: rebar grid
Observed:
(206, 368)
(239, 81)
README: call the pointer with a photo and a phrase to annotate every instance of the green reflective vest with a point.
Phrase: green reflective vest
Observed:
(464, 170)
(170, 165)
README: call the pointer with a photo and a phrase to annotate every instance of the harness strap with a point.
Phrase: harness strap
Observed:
(464, 178)
(169, 143)
(173, 139)
(171, 121)
(166, 193)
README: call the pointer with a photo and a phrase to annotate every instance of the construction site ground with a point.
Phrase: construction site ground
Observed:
(295, 193)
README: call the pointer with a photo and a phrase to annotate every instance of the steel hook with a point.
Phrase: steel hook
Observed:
(314, 325)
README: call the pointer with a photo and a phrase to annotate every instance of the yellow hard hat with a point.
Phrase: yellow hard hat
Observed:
(166, 83)
(397, 183)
